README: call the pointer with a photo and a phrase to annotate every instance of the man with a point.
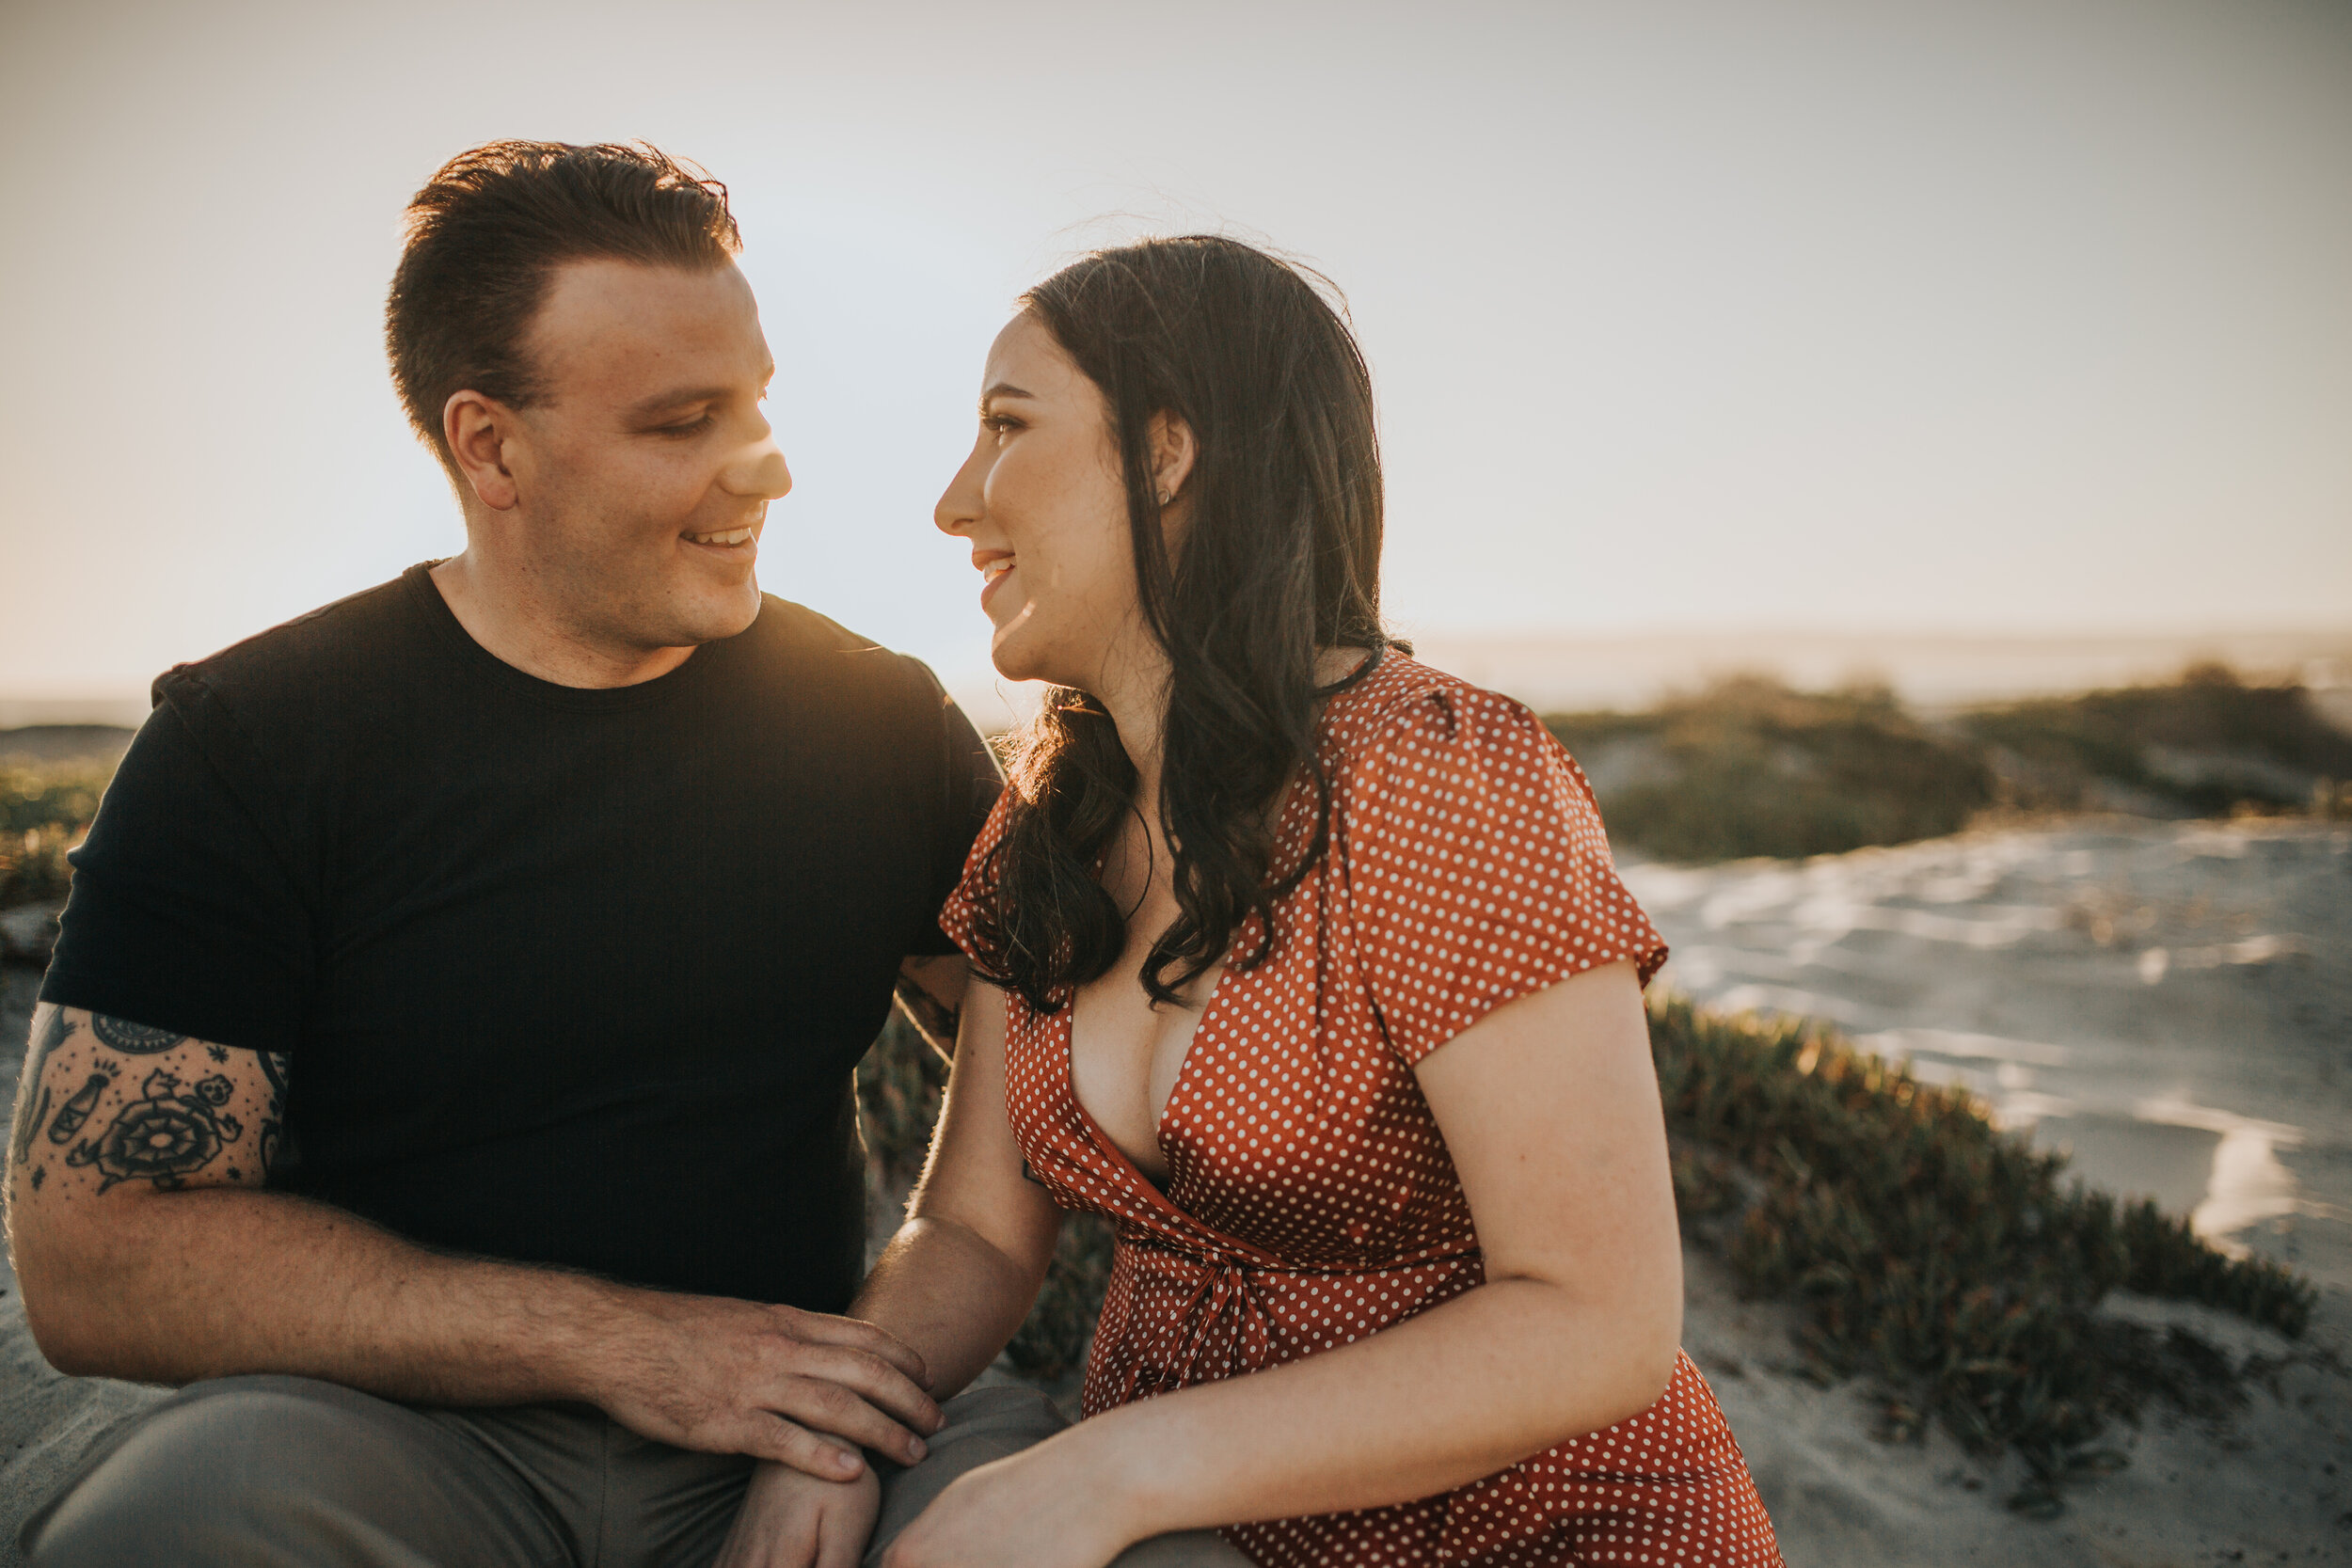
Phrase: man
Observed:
(444, 1073)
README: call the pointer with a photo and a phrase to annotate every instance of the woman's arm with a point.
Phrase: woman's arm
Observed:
(965, 1268)
(960, 1276)
(1549, 1108)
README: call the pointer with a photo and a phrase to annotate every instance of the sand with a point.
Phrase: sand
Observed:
(2271, 1485)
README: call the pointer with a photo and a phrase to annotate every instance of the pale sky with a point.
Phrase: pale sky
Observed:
(1970, 315)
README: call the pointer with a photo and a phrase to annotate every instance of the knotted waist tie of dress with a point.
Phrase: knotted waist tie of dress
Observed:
(1227, 1303)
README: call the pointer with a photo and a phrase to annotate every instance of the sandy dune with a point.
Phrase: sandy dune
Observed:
(2272, 1484)
(2171, 1003)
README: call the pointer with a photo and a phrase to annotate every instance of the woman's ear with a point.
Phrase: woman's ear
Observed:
(1172, 453)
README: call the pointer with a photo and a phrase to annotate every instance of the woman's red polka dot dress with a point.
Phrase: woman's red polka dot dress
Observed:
(1311, 1200)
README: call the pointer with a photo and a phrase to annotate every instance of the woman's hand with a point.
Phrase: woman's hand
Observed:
(1025, 1512)
(794, 1520)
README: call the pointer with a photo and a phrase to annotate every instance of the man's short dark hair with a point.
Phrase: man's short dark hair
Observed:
(485, 236)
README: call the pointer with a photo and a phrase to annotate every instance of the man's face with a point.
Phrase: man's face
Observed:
(643, 472)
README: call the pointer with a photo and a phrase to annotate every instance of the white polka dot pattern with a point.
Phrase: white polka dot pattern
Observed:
(1478, 867)
(1310, 1201)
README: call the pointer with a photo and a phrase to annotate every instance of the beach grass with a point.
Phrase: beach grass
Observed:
(1947, 1259)
(2208, 744)
(1748, 766)
(42, 813)
(1928, 1249)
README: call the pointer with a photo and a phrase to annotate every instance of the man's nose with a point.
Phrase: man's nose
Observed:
(758, 472)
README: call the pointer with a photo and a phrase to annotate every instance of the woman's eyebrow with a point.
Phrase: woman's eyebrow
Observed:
(1005, 389)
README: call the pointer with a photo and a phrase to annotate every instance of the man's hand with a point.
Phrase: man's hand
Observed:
(801, 1388)
(791, 1520)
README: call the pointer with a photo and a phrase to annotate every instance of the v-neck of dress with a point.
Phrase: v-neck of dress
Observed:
(1174, 1221)
(1068, 1017)
(1068, 1023)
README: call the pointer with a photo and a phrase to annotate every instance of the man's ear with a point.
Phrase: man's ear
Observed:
(1174, 451)
(476, 430)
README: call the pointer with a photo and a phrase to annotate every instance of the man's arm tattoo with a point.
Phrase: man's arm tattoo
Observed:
(167, 1135)
(177, 1127)
(135, 1040)
(32, 1094)
(271, 1139)
(76, 1111)
(932, 1018)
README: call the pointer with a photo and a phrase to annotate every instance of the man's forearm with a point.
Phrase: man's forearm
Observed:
(174, 1287)
(149, 1246)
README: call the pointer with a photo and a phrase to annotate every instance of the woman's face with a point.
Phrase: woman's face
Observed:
(1042, 502)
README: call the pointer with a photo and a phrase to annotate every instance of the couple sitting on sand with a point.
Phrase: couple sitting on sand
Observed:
(445, 1073)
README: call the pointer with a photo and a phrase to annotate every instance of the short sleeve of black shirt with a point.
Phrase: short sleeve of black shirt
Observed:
(187, 914)
(970, 769)
(567, 976)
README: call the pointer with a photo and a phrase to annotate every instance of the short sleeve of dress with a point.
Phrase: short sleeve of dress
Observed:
(1477, 867)
(956, 915)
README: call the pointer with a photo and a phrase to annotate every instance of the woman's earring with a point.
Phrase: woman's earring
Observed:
(1164, 494)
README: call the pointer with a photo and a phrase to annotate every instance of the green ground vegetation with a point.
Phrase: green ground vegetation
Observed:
(1748, 766)
(2208, 744)
(43, 812)
(1950, 1260)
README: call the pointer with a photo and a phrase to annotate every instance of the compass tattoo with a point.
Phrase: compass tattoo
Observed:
(167, 1134)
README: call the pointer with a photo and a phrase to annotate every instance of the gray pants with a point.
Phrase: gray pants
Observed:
(271, 1471)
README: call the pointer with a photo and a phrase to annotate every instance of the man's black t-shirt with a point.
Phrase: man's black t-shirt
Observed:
(567, 976)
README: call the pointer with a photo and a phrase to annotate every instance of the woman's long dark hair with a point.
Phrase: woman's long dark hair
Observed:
(1280, 559)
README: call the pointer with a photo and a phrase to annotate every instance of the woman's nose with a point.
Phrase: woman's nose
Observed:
(759, 471)
(959, 506)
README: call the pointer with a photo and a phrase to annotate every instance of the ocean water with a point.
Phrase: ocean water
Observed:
(2169, 1002)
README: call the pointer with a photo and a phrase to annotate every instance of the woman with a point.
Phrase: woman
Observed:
(1307, 965)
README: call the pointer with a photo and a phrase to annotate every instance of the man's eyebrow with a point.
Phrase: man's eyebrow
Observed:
(683, 395)
(679, 398)
(1005, 389)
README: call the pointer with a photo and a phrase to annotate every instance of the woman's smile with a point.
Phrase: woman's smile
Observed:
(995, 566)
